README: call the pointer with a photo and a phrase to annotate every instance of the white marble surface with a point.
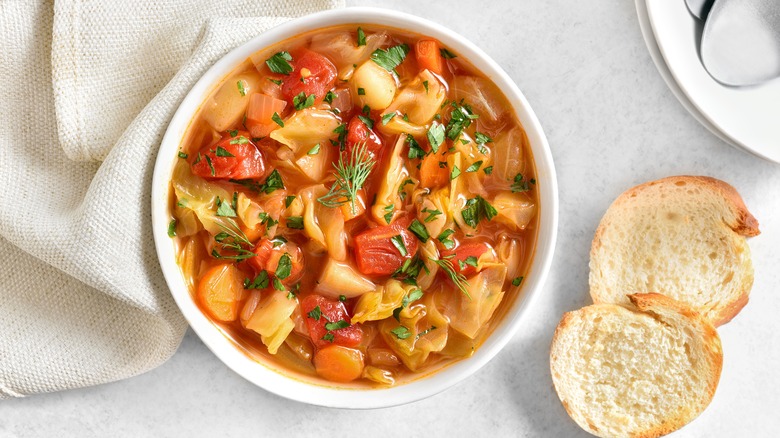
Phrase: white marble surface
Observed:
(611, 123)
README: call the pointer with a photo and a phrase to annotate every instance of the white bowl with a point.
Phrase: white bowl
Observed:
(264, 375)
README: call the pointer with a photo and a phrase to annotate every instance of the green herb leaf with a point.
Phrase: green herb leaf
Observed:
(398, 242)
(482, 138)
(183, 155)
(288, 201)
(224, 209)
(278, 285)
(415, 151)
(425, 84)
(431, 214)
(222, 152)
(390, 209)
(272, 183)
(338, 325)
(329, 96)
(516, 281)
(477, 208)
(341, 130)
(277, 119)
(368, 122)
(488, 170)
(445, 240)
(436, 136)
(519, 185)
(361, 37)
(401, 332)
(295, 222)
(361, 91)
(387, 117)
(446, 54)
(474, 167)
(172, 228)
(314, 150)
(284, 268)
(275, 81)
(419, 230)
(455, 172)
(260, 282)
(391, 58)
(301, 101)
(241, 88)
(456, 277)
(315, 313)
(211, 165)
(460, 119)
(342, 298)
(237, 140)
(468, 261)
(328, 337)
(278, 63)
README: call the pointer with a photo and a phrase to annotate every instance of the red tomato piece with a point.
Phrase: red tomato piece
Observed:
(462, 253)
(375, 252)
(330, 311)
(312, 74)
(359, 132)
(268, 257)
(231, 158)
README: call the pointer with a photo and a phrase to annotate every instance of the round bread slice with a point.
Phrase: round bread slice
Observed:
(681, 236)
(640, 370)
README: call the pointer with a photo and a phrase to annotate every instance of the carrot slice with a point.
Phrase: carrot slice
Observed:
(220, 292)
(260, 112)
(432, 173)
(339, 364)
(428, 56)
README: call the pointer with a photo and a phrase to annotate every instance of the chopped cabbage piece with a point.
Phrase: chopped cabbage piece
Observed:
(380, 303)
(420, 99)
(305, 129)
(422, 330)
(468, 316)
(514, 209)
(271, 319)
(322, 224)
(340, 278)
(387, 197)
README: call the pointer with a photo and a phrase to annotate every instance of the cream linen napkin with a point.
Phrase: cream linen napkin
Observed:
(87, 90)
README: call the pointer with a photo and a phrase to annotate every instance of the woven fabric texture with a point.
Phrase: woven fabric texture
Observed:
(88, 89)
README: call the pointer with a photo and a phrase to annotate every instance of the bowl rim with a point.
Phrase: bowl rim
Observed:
(273, 379)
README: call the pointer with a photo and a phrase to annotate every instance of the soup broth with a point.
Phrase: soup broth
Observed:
(355, 205)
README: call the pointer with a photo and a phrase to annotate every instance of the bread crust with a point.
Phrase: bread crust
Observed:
(652, 304)
(742, 223)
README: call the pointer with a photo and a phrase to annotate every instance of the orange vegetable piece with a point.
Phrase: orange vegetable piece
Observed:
(428, 56)
(260, 112)
(433, 174)
(220, 292)
(339, 364)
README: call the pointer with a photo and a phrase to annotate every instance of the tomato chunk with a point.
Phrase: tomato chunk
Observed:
(375, 252)
(428, 56)
(312, 74)
(358, 132)
(318, 312)
(270, 253)
(233, 157)
(461, 256)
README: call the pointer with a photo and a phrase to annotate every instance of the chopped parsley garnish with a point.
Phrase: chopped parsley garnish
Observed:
(516, 281)
(268, 221)
(315, 313)
(288, 201)
(341, 130)
(329, 96)
(211, 165)
(301, 101)
(231, 238)
(237, 140)
(172, 228)
(284, 268)
(431, 214)
(460, 119)
(338, 325)
(361, 91)
(436, 136)
(272, 183)
(425, 84)
(389, 215)
(415, 151)
(407, 299)
(278, 285)
(455, 173)
(387, 117)
(314, 150)
(278, 63)
(295, 222)
(342, 298)
(183, 155)
(398, 242)
(474, 167)
(445, 240)
(224, 209)
(519, 185)
(446, 54)
(477, 208)
(275, 81)
(260, 282)
(278, 240)
(241, 88)
(222, 152)
(468, 261)
(401, 332)
(391, 58)
(419, 230)
(277, 119)
(401, 191)
(366, 110)
(350, 178)
(361, 37)
(233, 132)
(409, 271)
(368, 122)
(482, 139)
(488, 170)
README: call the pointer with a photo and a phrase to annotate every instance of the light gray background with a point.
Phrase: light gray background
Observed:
(612, 124)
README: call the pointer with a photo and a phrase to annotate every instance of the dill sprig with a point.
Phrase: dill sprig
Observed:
(456, 277)
(231, 238)
(350, 178)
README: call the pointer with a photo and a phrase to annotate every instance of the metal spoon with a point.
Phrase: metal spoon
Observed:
(699, 8)
(740, 44)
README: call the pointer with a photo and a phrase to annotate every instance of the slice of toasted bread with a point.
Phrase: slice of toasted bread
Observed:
(638, 370)
(681, 236)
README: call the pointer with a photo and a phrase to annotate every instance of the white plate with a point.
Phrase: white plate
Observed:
(749, 116)
(660, 64)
